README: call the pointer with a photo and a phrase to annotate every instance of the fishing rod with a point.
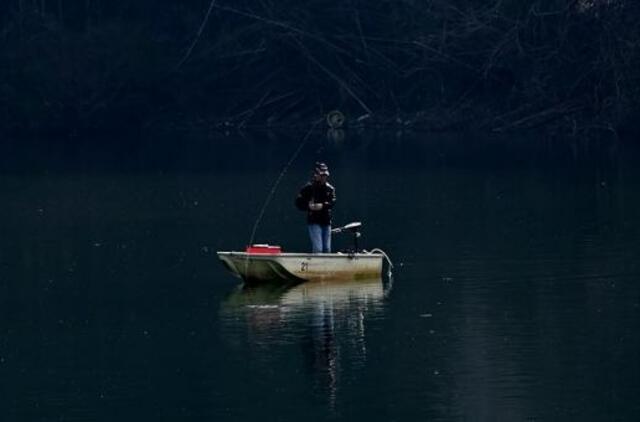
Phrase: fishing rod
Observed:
(279, 179)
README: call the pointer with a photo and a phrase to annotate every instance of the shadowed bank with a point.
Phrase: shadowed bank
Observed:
(72, 67)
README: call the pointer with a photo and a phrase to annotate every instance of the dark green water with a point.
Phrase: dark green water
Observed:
(515, 296)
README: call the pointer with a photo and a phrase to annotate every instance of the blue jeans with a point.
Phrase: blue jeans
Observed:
(320, 238)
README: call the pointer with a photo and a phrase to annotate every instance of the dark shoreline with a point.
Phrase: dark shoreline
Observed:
(562, 66)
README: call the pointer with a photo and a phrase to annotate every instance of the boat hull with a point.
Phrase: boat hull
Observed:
(298, 267)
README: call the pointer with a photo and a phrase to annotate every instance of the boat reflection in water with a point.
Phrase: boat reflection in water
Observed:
(325, 320)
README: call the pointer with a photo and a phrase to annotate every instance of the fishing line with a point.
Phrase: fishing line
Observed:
(277, 182)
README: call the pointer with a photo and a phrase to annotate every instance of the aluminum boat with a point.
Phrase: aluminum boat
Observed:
(265, 263)
(255, 267)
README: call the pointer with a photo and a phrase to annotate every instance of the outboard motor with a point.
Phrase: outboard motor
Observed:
(354, 229)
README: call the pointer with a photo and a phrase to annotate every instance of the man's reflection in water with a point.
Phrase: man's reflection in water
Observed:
(321, 350)
(327, 320)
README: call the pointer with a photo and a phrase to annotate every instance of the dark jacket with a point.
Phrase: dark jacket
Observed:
(318, 193)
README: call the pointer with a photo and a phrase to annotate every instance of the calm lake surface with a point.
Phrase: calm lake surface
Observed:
(515, 294)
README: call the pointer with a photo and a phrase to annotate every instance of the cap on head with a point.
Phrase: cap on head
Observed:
(321, 169)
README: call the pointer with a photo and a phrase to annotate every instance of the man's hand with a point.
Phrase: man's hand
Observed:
(315, 207)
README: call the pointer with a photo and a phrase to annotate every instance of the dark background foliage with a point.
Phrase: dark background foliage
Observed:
(70, 65)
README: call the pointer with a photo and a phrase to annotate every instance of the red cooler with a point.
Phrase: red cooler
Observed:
(263, 249)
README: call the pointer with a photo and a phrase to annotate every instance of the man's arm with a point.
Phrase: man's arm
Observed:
(331, 198)
(302, 200)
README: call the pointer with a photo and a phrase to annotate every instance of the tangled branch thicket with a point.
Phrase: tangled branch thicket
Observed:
(438, 64)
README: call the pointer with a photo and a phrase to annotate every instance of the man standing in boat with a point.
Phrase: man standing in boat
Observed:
(317, 198)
